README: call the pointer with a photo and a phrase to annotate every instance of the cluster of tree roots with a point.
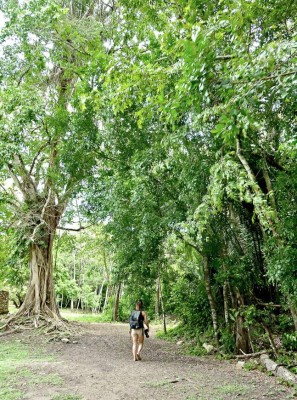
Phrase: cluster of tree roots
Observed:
(48, 324)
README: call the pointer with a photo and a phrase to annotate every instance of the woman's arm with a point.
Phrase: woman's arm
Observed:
(145, 319)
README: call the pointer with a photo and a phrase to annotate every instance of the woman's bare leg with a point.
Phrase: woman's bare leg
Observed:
(140, 345)
(134, 348)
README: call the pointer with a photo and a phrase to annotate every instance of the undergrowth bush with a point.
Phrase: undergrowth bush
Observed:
(290, 341)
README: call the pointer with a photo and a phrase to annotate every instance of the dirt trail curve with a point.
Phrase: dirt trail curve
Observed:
(100, 366)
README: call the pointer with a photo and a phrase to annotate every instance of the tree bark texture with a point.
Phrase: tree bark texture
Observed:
(211, 299)
(163, 308)
(117, 303)
(226, 295)
(270, 338)
(226, 304)
(242, 333)
(40, 298)
(157, 299)
(4, 299)
(106, 298)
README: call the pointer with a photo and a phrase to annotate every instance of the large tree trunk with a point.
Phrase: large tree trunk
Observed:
(40, 297)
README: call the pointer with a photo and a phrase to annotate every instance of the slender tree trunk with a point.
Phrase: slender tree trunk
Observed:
(162, 307)
(242, 333)
(226, 304)
(211, 300)
(157, 300)
(269, 185)
(232, 296)
(106, 298)
(270, 338)
(117, 303)
(226, 293)
(100, 297)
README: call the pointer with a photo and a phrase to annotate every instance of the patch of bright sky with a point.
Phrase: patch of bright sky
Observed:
(2, 19)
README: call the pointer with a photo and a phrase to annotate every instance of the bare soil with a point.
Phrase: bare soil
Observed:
(100, 366)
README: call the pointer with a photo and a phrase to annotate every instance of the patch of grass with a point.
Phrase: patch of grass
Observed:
(13, 355)
(91, 318)
(67, 397)
(33, 379)
(173, 334)
(8, 393)
(14, 352)
(232, 389)
(251, 365)
(195, 351)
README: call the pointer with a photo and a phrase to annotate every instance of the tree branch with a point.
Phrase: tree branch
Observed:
(194, 246)
(23, 74)
(35, 158)
(16, 179)
(26, 175)
(265, 78)
(74, 229)
(32, 238)
(226, 57)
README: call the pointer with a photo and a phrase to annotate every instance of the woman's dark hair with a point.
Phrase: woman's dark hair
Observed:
(139, 303)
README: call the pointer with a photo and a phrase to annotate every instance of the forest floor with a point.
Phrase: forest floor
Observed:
(100, 366)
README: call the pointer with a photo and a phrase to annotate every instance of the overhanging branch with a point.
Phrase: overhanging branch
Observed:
(74, 229)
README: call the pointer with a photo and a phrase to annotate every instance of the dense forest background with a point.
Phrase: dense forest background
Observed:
(148, 150)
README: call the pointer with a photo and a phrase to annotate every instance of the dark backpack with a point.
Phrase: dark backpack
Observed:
(136, 321)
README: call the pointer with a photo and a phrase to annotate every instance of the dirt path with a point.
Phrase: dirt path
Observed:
(100, 366)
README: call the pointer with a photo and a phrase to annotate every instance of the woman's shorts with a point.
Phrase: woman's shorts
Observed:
(138, 332)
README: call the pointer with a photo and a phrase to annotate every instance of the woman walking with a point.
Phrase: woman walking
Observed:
(138, 320)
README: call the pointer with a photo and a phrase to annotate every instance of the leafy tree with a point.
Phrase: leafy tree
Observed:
(48, 131)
